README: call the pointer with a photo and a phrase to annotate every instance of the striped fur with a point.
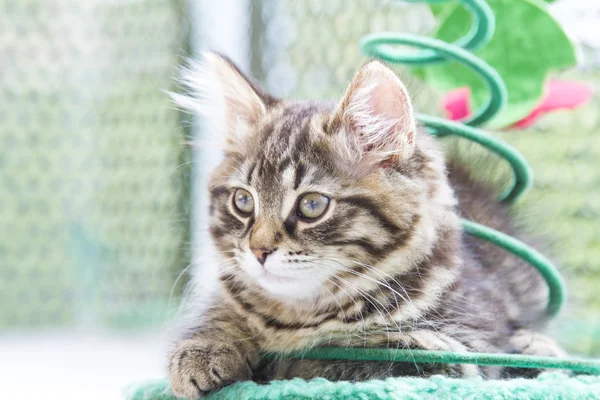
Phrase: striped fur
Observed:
(385, 266)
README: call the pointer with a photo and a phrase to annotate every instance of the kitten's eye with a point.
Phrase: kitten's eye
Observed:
(243, 201)
(312, 205)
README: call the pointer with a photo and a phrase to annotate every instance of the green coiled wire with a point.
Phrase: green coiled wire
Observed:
(591, 367)
(480, 34)
(377, 45)
(380, 45)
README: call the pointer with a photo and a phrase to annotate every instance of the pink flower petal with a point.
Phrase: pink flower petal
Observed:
(558, 95)
(456, 103)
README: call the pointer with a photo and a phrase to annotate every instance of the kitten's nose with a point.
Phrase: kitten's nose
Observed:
(261, 254)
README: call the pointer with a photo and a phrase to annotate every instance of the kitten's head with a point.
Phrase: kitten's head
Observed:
(311, 194)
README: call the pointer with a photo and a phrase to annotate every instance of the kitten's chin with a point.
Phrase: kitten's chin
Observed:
(288, 288)
(286, 285)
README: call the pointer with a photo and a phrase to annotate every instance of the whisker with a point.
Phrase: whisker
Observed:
(371, 299)
(175, 283)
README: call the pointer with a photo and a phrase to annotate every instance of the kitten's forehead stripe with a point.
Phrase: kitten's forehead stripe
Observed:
(284, 164)
(250, 172)
(300, 145)
(300, 171)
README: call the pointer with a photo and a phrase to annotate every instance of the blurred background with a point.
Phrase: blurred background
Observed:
(102, 202)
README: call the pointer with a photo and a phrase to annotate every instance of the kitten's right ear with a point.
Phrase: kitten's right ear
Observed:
(374, 124)
(220, 92)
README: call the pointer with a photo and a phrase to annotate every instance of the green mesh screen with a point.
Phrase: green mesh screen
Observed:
(309, 49)
(91, 212)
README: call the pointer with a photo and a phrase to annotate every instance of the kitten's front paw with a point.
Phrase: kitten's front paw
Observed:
(198, 367)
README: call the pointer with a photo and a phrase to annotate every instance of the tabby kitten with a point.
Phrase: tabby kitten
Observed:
(338, 225)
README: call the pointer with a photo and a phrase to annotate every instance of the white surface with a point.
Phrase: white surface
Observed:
(580, 19)
(69, 366)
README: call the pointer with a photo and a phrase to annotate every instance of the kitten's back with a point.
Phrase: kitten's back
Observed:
(525, 290)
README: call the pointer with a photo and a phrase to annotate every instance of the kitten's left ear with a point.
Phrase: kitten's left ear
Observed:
(374, 123)
(221, 93)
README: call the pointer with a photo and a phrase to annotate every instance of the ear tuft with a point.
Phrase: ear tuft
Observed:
(374, 122)
(218, 91)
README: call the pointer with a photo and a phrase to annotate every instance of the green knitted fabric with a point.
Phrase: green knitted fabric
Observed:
(546, 386)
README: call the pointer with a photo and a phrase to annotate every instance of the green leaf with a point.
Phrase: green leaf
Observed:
(528, 43)
(440, 10)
